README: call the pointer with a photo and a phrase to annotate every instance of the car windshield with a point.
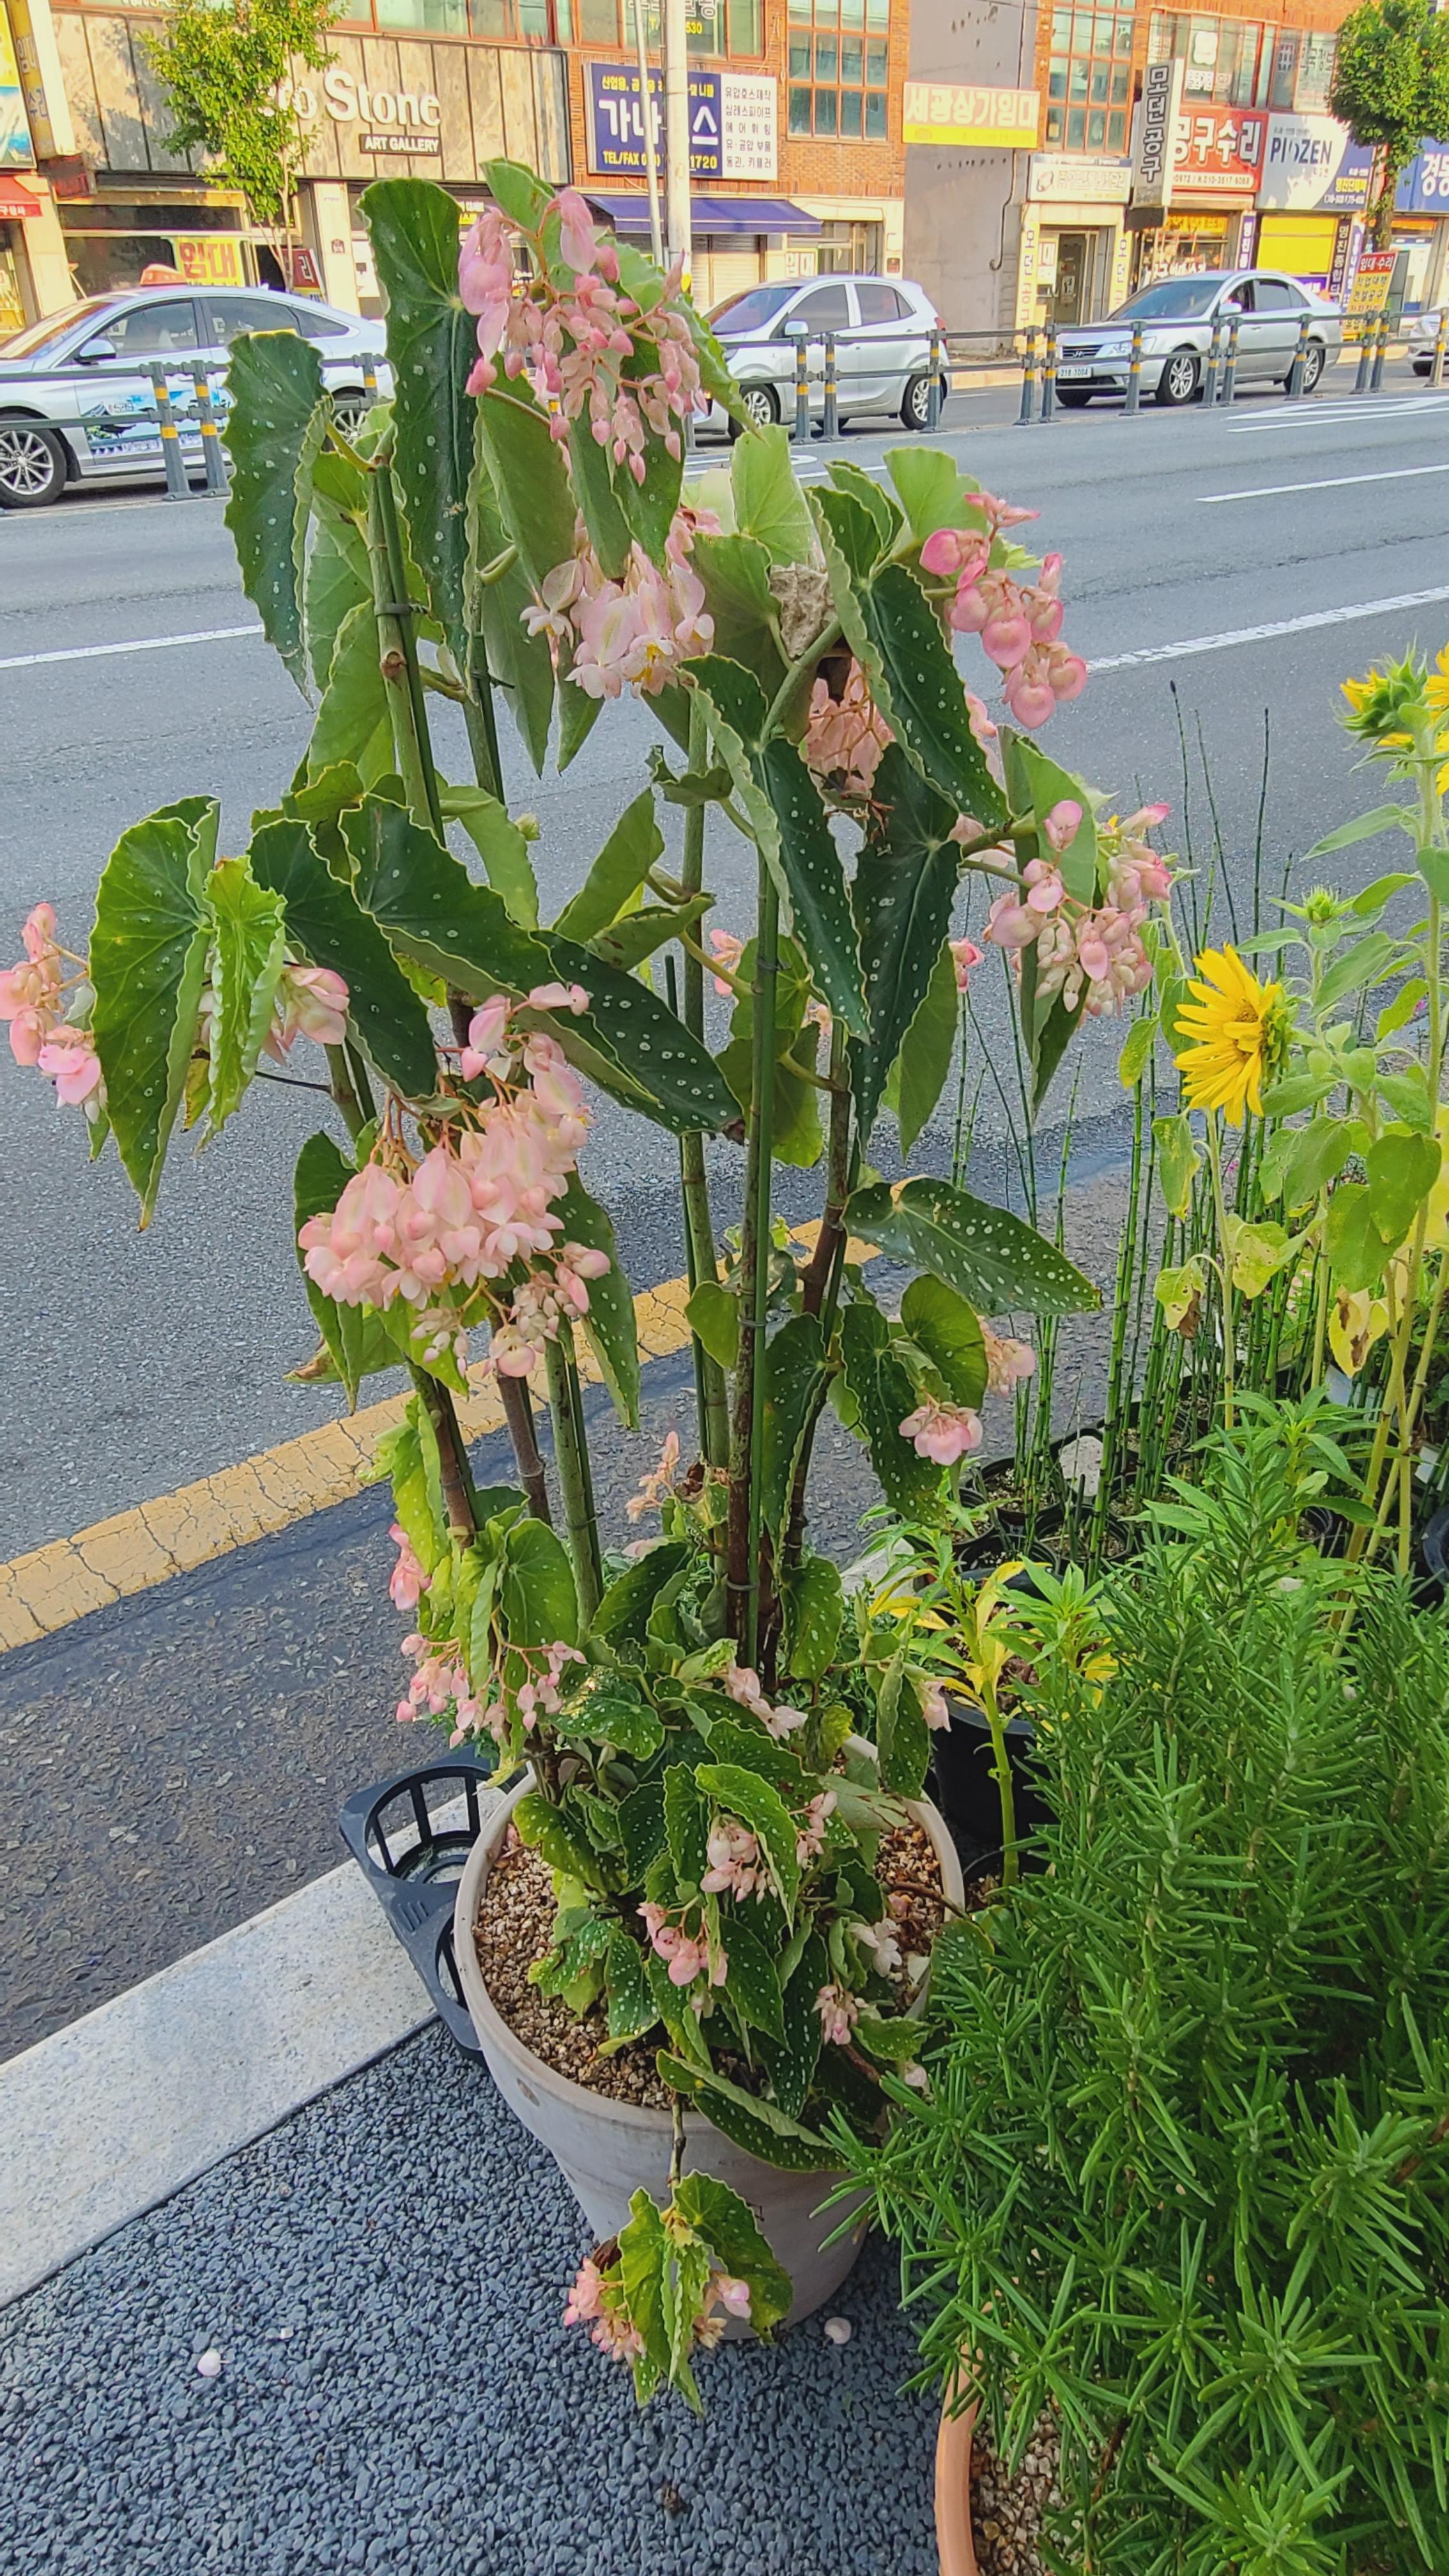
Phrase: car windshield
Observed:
(751, 310)
(1183, 299)
(40, 336)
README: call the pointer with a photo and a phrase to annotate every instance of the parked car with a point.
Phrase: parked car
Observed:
(1423, 333)
(76, 403)
(882, 328)
(1177, 316)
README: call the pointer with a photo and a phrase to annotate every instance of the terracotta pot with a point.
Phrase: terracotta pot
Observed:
(955, 2539)
(607, 2150)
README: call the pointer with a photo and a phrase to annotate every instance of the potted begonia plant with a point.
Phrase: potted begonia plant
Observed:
(722, 1751)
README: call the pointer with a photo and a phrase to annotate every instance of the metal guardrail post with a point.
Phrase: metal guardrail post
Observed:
(802, 387)
(1381, 350)
(177, 486)
(217, 479)
(1027, 413)
(1294, 387)
(1134, 371)
(1213, 377)
(1365, 359)
(1230, 368)
(1436, 365)
(1049, 375)
(831, 423)
(933, 391)
(369, 378)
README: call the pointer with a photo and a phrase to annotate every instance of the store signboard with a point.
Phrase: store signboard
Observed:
(1311, 166)
(1152, 167)
(1424, 187)
(1218, 151)
(209, 259)
(616, 130)
(749, 126)
(1369, 292)
(958, 112)
(1079, 179)
(15, 147)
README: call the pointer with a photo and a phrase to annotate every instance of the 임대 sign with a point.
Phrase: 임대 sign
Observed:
(209, 259)
(616, 128)
(959, 112)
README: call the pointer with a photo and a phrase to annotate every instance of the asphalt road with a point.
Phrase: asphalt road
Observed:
(1222, 571)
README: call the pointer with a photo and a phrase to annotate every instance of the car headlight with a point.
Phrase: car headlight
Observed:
(1114, 349)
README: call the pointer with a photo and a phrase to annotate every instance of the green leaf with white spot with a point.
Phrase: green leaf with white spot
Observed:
(634, 846)
(354, 721)
(327, 926)
(987, 1254)
(769, 504)
(746, 1795)
(251, 940)
(499, 844)
(278, 411)
(733, 2236)
(905, 885)
(885, 1398)
(148, 962)
(948, 1330)
(757, 2125)
(431, 345)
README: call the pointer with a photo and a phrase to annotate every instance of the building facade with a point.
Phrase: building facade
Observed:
(1145, 142)
(796, 153)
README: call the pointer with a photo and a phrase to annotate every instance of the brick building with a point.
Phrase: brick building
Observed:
(1006, 233)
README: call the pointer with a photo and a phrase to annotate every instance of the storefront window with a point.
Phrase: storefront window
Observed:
(837, 62)
(1230, 61)
(1089, 80)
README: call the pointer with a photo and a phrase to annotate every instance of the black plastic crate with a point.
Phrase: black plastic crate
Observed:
(412, 1850)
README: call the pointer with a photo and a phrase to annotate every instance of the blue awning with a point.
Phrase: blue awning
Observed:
(710, 214)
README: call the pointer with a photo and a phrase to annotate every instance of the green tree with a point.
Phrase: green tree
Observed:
(1391, 89)
(227, 72)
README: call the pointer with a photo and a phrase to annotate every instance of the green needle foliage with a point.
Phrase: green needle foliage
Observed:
(1183, 2172)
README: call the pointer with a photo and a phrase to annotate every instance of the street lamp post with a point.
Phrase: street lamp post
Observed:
(676, 131)
(646, 112)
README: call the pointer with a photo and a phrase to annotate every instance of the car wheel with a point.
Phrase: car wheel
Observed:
(32, 465)
(1075, 398)
(350, 408)
(760, 407)
(1179, 378)
(1423, 366)
(1313, 364)
(916, 403)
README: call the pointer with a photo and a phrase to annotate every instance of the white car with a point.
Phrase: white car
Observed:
(1423, 334)
(882, 328)
(76, 403)
(1178, 315)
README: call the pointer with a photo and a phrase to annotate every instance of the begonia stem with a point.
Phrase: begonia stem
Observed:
(571, 1459)
(747, 1444)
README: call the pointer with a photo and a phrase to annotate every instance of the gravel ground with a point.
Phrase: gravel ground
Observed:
(384, 2278)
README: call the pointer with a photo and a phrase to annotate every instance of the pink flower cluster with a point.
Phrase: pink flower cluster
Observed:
(1088, 950)
(311, 1003)
(942, 1432)
(845, 736)
(687, 1954)
(733, 2296)
(743, 1685)
(810, 1839)
(839, 2012)
(735, 1867)
(441, 1684)
(585, 346)
(1020, 627)
(32, 999)
(657, 1484)
(728, 951)
(408, 1581)
(632, 633)
(965, 955)
(1006, 1361)
(479, 1201)
(597, 2301)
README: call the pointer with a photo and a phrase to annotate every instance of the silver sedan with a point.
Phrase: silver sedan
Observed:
(76, 400)
(1178, 316)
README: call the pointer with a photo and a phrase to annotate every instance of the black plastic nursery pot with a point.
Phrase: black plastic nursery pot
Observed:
(966, 1793)
(1433, 1584)
(410, 1837)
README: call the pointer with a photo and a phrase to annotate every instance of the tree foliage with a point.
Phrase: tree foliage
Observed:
(226, 72)
(1183, 2174)
(1391, 87)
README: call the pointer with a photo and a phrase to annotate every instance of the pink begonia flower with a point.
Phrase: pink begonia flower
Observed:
(558, 997)
(656, 1482)
(1007, 1362)
(743, 1685)
(729, 951)
(880, 1940)
(558, 591)
(964, 956)
(594, 2301)
(810, 1839)
(942, 1432)
(1061, 825)
(839, 2012)
(687, 1955)
(311, 1002)
(733, 2295)
(30, 992)
(577, 238)
(735, 1868)
(71, 1062)
(933, 1701)
(782, 1720)
(407, 1582)
(845, 736)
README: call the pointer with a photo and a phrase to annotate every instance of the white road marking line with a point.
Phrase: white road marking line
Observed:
(1326, 483)
(1263, 634)
(142, 644)
(1304, 416)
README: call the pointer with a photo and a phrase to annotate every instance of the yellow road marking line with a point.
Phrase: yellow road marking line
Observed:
(50, 1586)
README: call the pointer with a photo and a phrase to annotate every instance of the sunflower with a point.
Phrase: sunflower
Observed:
(1385, 701)
(1436, 690)
(1238, 1030)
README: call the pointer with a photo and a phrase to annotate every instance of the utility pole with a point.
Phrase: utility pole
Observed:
(651, 155)
(676, 131)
